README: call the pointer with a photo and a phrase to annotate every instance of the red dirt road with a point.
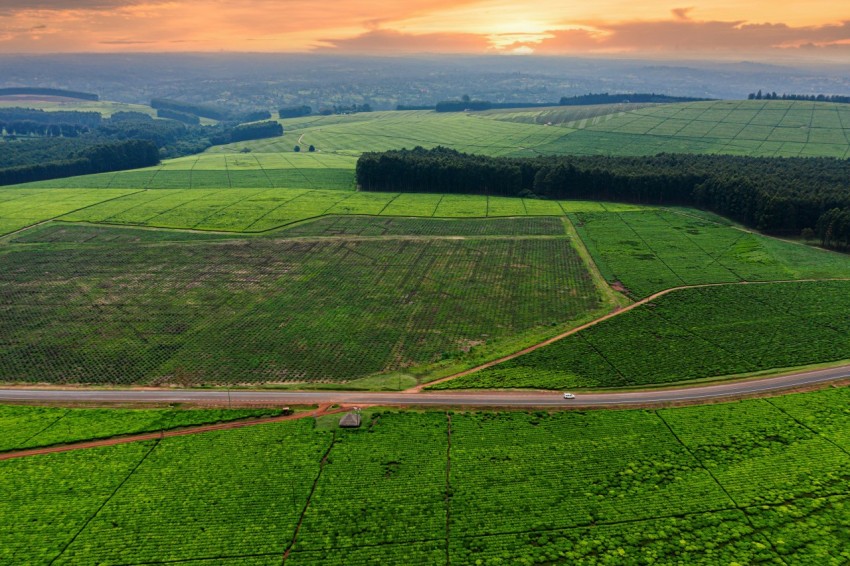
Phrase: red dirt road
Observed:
(323, 410)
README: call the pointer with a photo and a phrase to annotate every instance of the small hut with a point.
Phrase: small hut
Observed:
(350, 420)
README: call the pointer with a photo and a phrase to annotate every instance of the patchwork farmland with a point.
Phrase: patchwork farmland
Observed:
(764, 483)
(252, 265)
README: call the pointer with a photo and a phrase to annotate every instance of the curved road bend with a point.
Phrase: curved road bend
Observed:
(693, 394)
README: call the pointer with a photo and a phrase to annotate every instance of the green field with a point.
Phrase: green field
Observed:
(268, 310)
(248, 184)
(690, 334)
(256, 210)
(226, 171)
(104, 107)
(574, 117)
(225, 289)
(32, 427)
(653, 250)
(762, 481)
(749, 127)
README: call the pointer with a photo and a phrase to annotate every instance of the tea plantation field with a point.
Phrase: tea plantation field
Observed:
(690, 334)
(761, 481)
(255, 210)
(32, 427)
(648, 251)
(772, 128)
(133, 307)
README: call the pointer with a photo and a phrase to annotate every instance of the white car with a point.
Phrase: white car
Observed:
(569, 396)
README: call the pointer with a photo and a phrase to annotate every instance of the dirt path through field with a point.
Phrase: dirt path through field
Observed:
(616, 312)
(126, 439)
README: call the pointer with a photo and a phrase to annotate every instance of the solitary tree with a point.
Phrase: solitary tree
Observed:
(296, 149)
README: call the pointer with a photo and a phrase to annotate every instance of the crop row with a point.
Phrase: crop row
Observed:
(267, 310)
(654, 250)
(29, 427)
(690, 334)
(742, 482)
(369, 226)
(257, 210)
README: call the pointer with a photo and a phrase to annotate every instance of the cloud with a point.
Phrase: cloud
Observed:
(685, 35)
(682, 13)
(393, 42)
(13, 6)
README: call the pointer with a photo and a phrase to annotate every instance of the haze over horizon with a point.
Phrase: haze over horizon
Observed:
(721, 29)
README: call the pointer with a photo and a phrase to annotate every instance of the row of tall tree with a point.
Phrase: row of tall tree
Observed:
(28, 128)
(255, 131)
(836, 98)
(200, 110)
(73, 117)
(622, 98)
(116, 156)
(294, 112)
(779, 195)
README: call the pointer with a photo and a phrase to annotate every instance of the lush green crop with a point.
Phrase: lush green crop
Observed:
(744, 482)
(653, 250)
(256, 210)
(75, 234)
(690, 334)
(269, 310)
(229, 494)
(370, 226)
(20, 208)
(30, 427)
(48, 499)
(576, 117)
(757, 127)
(397, 495)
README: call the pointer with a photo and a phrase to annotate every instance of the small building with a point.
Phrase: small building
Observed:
(350, 420)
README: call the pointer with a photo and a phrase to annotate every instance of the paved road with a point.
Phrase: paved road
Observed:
(441, 399)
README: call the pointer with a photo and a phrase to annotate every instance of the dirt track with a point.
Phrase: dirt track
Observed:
(323, 410)
(616, 312)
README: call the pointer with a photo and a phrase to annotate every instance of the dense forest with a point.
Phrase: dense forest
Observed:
(466, 104)
(45, 145)
(635, 97)
(71, 117)
(100, 158)
(294, 112)
(201, 110)
(183, 117)
(778, 195)
(255, 131)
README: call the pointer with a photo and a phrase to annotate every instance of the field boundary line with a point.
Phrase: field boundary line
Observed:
(702, 465)
(159, 435)
(448, 486)
(614, 313)
(62, 416)
(805, 426)
(108, 499)
(46, 220)
(322, 463)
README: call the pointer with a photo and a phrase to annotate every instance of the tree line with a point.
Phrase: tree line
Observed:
(253, 131)
(838, 99)
(623, 98)
(777, 195)
(38, 91)
(100, 158)
(71, 117)
(29, 128)
(200, 110)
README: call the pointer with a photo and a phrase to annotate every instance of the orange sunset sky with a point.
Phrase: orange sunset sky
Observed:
(652, 27)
